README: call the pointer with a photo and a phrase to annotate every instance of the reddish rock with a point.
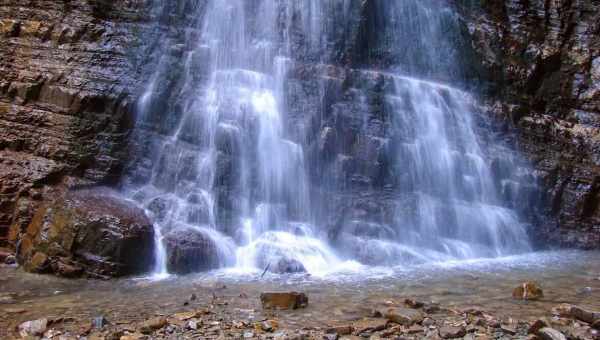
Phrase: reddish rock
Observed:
(369, 325)
(528, 291)
(92, 229)
(283, 300)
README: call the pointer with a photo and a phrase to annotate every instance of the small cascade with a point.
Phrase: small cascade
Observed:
(253, 127)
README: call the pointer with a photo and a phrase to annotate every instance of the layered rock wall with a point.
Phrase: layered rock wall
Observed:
(67, 72)
(543, 70)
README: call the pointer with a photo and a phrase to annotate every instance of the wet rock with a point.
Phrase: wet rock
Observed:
(576, 312)
(152, 325)
(287, 266)
(536, 326)
(369, 325)
(528, 291)
(268, 325)
(189, 251)
(339, 330)
(33, 328)
(413, 303)
(548, 333)
(450, 332)
(283, 300)
(402, 316)
(91, 229)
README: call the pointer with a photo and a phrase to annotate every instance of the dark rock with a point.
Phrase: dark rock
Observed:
(536, 326)
(92, 229)
(287, 266)
(99, 322)
(283, 300)
(189, 251)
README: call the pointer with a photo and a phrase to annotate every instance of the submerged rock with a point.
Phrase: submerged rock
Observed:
(283, 300)
(402, 316)
(91, 229)
(528, 291)
(287, 266)
(548, 333)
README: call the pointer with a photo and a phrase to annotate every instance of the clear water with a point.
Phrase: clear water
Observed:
(223, 158)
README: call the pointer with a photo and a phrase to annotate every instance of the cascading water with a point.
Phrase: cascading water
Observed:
(261, 116)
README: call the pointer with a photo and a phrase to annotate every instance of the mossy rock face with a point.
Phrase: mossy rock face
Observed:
(91, 232)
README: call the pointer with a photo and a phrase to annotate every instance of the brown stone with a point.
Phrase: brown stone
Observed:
(152, 325)
(403, 316)
(339, 330)
(283, 300)
(576, 312)
(369, 325)
(450, 332)
(536, 326)
(528, 291)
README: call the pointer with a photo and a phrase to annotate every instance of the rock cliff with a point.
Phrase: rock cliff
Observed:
(67, 72)
(543, 70)
(70, 72)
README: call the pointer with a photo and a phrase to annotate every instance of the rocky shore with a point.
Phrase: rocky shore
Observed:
(217, 311)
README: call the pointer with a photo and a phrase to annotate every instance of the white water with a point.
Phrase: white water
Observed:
(231, 167)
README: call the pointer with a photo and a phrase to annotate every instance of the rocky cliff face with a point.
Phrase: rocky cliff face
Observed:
(67, 72)
(543, 67)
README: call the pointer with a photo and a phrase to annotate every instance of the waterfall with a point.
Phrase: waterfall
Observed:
(266, 126)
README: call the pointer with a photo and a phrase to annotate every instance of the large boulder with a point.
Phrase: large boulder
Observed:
(190, 250)
(92, 232)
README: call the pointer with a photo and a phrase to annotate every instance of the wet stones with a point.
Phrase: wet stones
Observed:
(283, 300)
(576, 312)
(528, 291)
(287, 266)
(91, 229)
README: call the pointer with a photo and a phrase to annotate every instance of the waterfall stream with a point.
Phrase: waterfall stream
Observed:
(315, 135)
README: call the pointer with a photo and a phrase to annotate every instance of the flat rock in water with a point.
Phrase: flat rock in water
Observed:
(369, 325)
(283, 300)
(33, 328)
(576, 312)
(403, 316)
(528, 291)
(548, 333)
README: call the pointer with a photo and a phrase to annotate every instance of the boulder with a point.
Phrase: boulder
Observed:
(287, 266)
(283, 300)
(91, 232)
(189, 251)
(528, 291)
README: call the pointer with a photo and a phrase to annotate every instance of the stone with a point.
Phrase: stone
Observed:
(413, 303)
(189, 251)
(576, 312)
(536, 326)
(283, 300)
(402, 316)
(152, 325)
(287, 266)
(268, 325)
(451, 332)
(339, 330)
(369, 325)
(33, 328)
(548, 333)
(93, 229)
(528, 291)
(99, 322)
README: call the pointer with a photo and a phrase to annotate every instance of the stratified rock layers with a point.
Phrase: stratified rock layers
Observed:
(66, 75)
(543, 62)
